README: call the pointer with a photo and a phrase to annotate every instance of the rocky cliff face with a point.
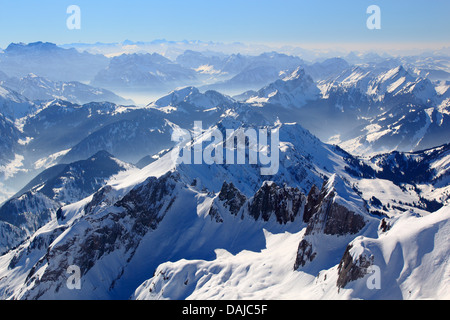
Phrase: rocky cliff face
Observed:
(334, 219)
(351, 269)
(232, 198)
(29, 212)
(284, 203)
(118, 228)
(305, 253)
(326, 213)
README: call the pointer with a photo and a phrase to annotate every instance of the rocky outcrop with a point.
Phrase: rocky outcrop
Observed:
(304, 254)
(334, 219)
(285, 203)
(326, 214)
(232, 198)
(29, 212)
(351, 269)
(148, 203)
(100, 199)
(118, 228)
(312, 201)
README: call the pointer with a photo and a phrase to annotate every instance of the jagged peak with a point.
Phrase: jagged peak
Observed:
(39, 45)
(340, 191)
(296, 74)
(394, 73)
(192, 95)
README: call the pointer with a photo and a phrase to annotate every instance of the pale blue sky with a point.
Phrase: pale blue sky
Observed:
(249, 21)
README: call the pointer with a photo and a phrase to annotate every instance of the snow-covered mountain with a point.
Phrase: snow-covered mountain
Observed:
(402, 260)
(39, 88)
(326, 69)
(237, 63)
(254, 72)
(191, 98)
(363, 110)
(127, 202)
(384, 88)
(10, 135)
(249, 79)
(63, 132)
(292, 91)
(38, 202)
(185, 213)
(407, 127)
(58, 125)
(136, 133)
(14, 105)
(70, 183)
(325, 224)
(194, 59)
(143, 72)
(50, 61)
(130, 138)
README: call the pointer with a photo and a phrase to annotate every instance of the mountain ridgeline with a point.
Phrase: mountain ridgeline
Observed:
(88, 179)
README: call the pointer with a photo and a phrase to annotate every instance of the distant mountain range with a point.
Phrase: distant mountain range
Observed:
(38, 88)
(88, 179)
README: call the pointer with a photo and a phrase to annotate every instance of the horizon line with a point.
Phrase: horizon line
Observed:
(319, 47)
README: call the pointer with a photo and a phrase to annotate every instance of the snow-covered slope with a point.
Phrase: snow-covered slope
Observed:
(143, 72)
(292, 91)
(386, 88)
(412, 258)
(50, 61)
(314, 228)
(13, 105)
(392, 110)
(189, 98)
(75, 181)
(39, 88)
(169, 212)
(406, 127)
(125, 218)
(37, 203)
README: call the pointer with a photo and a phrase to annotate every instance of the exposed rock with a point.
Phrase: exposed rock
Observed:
(29, 212)
(335, 219)
(312, 201)
(304, 253)
(120, 227)
(214, 213)
(146, 204)
(232, 198)
(99, 200)
(286, 203)
(384, 226)
(351, 269)
(325, 213)
(329, 216)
